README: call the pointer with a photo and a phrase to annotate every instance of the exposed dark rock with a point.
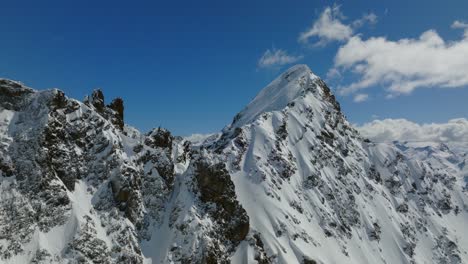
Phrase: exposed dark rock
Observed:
(375, 232)
(445, 204)
(160, 138)
(126, 187)
(186, 154)
(97, 100)
(328, 95)
(59, 100)
(215, 185)
(260, 256)
(309, 261)
(282, 132)
(402, 208)
(13, 95)
(87, 248)
(61, 158)
(138, 148)
(162, 163)
(311, 181)
(6, 167)
(118, 106)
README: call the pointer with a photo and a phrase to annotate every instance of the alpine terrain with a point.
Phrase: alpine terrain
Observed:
(288, 181)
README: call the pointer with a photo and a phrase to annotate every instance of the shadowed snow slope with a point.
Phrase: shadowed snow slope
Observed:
(289, 181)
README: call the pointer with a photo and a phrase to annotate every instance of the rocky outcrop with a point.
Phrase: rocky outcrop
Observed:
(289, 181)
(114, 112)
(13, 95)
(97, 100)
(160, 143)
(215, 186)
(55, 144)
(118, 106)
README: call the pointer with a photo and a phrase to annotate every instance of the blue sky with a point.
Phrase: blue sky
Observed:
(191, 66)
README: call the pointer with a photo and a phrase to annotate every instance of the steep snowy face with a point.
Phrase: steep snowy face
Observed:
(316, 192)
(278, 160)
(277, 95)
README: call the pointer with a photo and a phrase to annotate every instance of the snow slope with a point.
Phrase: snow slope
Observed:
(315, 190)
(277, 95)
(289, 181)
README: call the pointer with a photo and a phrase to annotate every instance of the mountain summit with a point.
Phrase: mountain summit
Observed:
(278, 94)
(289, 181)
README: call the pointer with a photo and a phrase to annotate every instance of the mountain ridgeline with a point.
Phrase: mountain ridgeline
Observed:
(288, 181)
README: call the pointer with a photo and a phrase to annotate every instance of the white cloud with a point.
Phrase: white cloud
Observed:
(406, 64)
(359, 98)
(459, 24)
(369, 18)
(333, 74)
(330, 27)
(276, 57)
(387, 130)
(462, 25)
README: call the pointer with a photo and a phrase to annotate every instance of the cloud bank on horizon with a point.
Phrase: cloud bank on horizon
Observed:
(388, 130)
(397, 66)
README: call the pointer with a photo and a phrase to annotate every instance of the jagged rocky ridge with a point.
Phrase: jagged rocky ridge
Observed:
(289, 181)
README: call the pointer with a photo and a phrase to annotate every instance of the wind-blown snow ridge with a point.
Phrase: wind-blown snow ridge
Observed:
(277, 95)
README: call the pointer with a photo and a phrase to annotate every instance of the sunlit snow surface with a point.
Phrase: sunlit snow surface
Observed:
(312, 187)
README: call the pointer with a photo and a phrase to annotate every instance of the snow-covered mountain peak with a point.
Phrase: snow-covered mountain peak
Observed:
(277, 95)
(290, 181)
